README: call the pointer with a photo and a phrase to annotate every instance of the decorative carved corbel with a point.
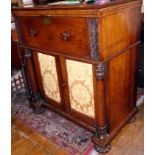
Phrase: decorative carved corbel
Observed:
(100, 71)
(27, 53)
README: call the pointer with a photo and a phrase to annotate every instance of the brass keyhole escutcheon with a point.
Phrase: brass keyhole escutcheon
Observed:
(47, 20)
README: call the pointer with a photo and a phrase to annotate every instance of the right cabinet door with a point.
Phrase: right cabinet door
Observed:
(81, 87)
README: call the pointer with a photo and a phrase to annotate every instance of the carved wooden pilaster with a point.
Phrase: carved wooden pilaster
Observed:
(35, 96)
(93, 37)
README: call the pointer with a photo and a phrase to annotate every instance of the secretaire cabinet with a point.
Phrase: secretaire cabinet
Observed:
(80, 61)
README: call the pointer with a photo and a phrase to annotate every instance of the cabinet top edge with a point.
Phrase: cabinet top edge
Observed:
(107, 4)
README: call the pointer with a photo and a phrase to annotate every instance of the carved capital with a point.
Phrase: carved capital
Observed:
(27, 53)
(93, 37)
(100, 71)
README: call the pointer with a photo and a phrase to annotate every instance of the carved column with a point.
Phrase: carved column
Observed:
(31, 80)
(102, 128)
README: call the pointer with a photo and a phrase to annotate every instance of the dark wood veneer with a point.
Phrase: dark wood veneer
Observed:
(105, 36)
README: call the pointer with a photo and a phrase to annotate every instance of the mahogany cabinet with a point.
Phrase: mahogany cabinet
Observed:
(81, 60)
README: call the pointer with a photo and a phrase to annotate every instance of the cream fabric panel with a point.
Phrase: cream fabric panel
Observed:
(81, 91)
(49, 76)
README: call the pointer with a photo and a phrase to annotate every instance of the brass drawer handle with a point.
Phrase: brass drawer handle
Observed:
(66, 36)
(33, 32)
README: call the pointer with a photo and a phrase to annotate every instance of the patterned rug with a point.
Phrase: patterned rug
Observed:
(66, 134)
(73, 138)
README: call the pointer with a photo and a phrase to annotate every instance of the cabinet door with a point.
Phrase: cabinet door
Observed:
(70, 87)
(81, 87)
(48, 76)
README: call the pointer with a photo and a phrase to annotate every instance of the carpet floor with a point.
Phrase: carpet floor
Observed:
(73, 138)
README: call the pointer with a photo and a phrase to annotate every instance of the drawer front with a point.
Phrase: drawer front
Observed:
(57, 34)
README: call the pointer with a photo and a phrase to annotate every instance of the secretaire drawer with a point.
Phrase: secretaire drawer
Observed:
(57, 34)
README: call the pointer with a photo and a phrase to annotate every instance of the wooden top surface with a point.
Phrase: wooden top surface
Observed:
(97, 5)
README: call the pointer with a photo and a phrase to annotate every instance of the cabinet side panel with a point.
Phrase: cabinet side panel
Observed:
(121, 88)
(119, 30)
(49, 76)
(80, 79)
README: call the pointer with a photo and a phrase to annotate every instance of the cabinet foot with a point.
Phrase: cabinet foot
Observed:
(37, 103)
(132, 120)
(38, 108)
(101, 149)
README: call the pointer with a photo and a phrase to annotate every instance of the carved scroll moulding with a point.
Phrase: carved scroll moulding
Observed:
(93, 36)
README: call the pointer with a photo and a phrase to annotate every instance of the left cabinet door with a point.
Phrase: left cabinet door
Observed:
(47, 77)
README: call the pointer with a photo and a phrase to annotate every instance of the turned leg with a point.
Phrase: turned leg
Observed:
(100, 140)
